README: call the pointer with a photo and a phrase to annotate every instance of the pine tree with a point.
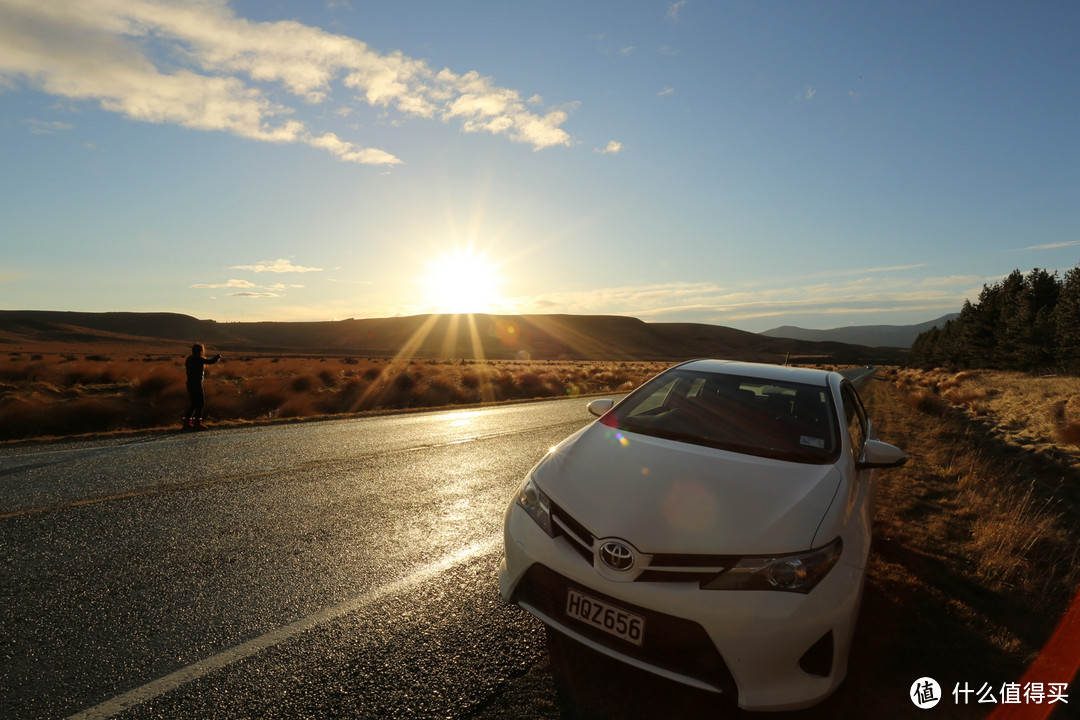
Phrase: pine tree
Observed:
(1066, 321)
(1025, 322)
(1040, 296)
(1012, 322)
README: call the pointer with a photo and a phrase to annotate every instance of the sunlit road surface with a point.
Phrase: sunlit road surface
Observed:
(330, 569)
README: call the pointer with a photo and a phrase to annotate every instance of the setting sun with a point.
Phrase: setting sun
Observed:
(461, 281)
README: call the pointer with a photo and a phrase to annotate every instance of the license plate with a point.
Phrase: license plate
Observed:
(609, 618)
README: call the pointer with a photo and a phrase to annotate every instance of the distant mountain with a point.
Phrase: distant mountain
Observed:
(883, 336)
(498, 337)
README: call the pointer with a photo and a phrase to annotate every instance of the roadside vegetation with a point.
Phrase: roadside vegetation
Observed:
(977, 539)
(56, 395)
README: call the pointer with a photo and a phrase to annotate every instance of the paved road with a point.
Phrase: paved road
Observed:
(332, 569)
(320, 570)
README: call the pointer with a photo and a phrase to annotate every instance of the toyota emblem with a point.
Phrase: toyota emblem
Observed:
(617, 556)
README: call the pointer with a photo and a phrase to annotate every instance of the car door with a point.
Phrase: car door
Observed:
(862, 489)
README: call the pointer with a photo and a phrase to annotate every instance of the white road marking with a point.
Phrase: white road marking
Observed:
(172, 681)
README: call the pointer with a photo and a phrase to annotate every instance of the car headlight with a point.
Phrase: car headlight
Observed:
(536, 504)
(798, 573)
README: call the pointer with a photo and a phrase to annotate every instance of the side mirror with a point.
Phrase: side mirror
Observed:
(601, 406)
(877, 454)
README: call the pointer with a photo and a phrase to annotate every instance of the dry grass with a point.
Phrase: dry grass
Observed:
(1011, 476)
(975, 543)
(50, 395)
(1041, 414)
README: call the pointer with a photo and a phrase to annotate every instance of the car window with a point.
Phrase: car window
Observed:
(855, 415)
(789, 421)
(656, 398)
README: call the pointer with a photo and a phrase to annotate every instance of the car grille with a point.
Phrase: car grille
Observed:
(670, 643)
(575, 533)
(662, 567)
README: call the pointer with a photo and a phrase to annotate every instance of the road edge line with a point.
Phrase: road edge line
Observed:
(172, 681)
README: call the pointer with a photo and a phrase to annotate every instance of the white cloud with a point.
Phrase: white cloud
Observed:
(254, 294)
(674, 9)
(613, 148)
(42, 127)
(281, 265)
(866, 295)
(1050, 246)
(483, 106)
(351, 152)
(881, 269)
(196, 64)
(666, 91)
(809, 93)
(229, 284)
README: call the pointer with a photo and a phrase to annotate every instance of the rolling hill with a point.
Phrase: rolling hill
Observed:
(538, 337)
(893, 336)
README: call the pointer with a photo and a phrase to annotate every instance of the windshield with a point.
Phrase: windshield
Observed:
(788, 421)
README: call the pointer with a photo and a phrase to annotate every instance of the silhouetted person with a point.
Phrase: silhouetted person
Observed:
(194, 364)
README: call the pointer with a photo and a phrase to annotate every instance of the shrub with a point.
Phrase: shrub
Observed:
(1068, 434)
(404, 381)
(267, 401)
(301, 383)
(93, 414)
(21, 418)
(297, 406)
(155, 382)
(927, 402)
(435, 392)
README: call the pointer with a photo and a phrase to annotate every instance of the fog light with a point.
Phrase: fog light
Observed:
(818, 659)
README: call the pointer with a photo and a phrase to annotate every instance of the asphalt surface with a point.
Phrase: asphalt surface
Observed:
(330, 569)
(338, 569)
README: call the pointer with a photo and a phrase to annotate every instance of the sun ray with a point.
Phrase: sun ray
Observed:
(397, 364)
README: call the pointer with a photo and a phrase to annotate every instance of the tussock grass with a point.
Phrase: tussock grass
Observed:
(974, 555)
(1011, 468)
(64, 394)
(1035, 413)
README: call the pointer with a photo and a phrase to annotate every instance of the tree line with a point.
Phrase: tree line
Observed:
(1025, 322)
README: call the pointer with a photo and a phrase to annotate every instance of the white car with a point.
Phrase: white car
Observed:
(713, 527)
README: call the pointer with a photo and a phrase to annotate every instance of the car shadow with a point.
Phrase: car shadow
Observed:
(592, 686)
(905, 632)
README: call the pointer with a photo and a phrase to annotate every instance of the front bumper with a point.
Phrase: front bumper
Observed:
(754, 645)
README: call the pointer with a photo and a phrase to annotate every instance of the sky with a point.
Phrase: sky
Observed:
(746, 164)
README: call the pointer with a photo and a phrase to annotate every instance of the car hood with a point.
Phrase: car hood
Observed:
(665, 496)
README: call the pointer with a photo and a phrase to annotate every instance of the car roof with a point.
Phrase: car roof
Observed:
(764, 371)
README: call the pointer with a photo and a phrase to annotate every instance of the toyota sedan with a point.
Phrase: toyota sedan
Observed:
(713, 527)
